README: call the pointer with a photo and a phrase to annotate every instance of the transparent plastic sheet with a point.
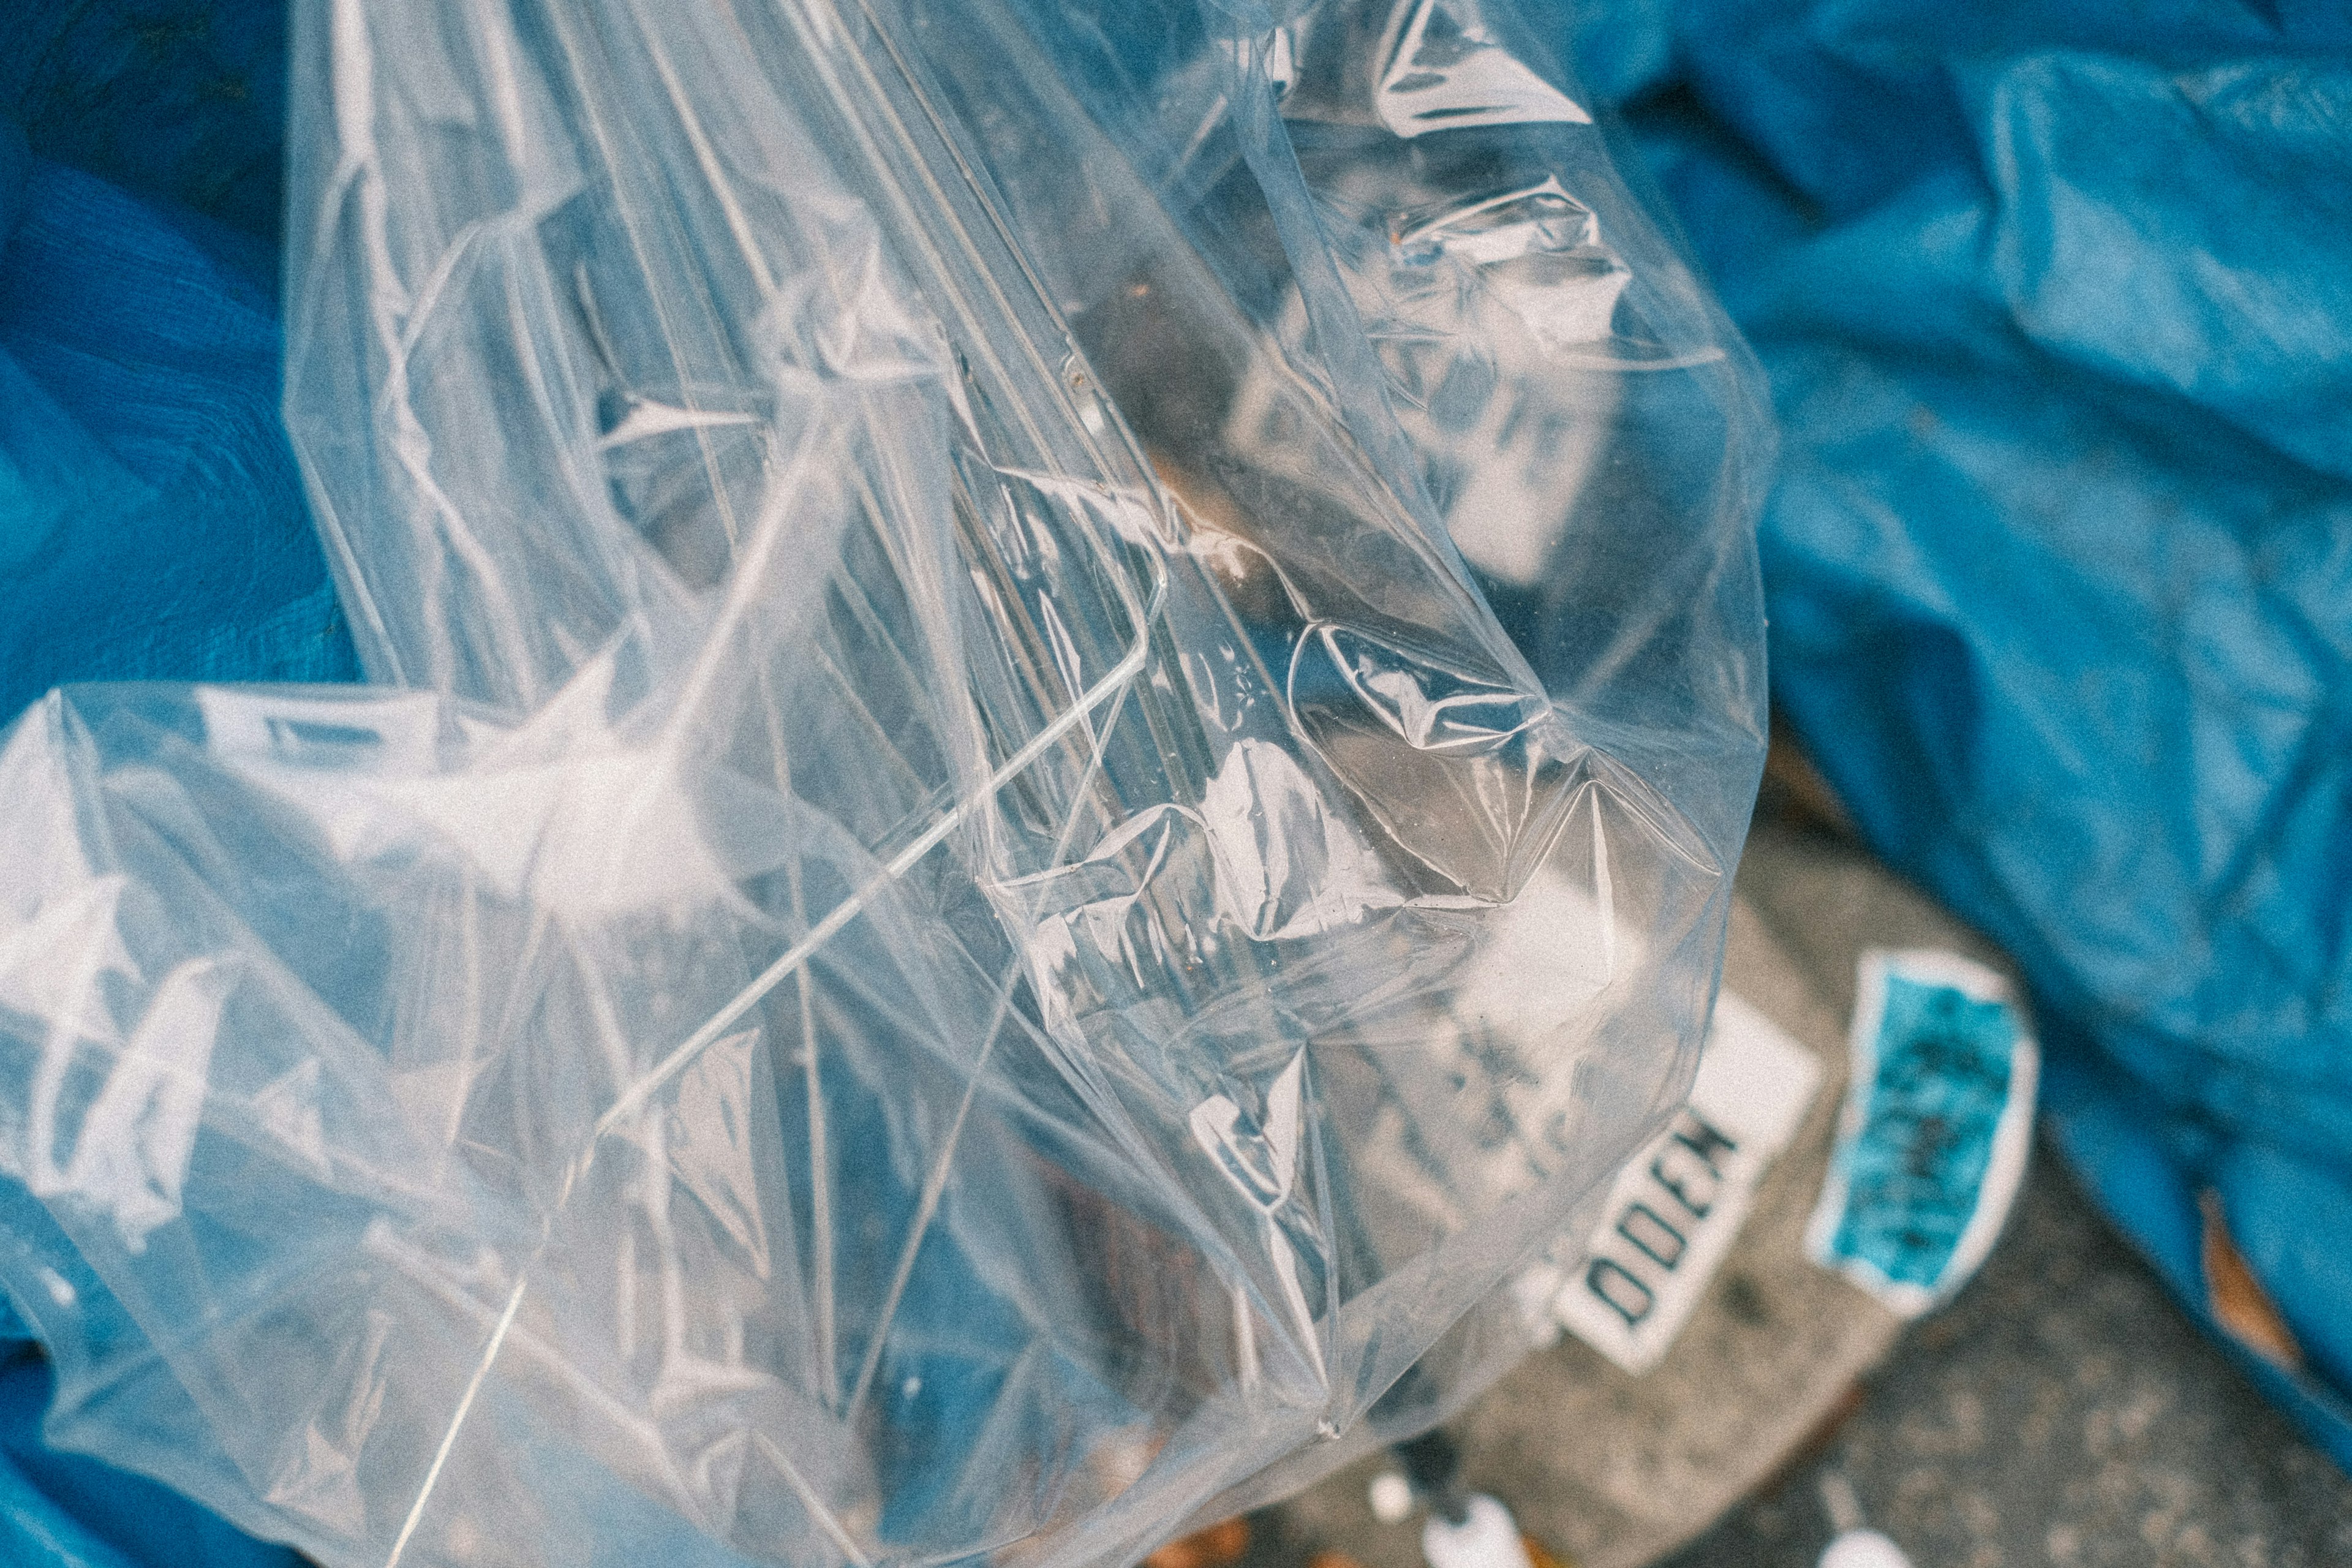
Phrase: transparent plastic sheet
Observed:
(1065, 697)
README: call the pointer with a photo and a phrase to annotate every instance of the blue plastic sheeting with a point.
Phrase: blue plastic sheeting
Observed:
(151, 522)
(181, 101)
(2055, 301)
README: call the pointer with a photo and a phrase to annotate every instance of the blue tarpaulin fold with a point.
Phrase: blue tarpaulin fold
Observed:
(2059, 562)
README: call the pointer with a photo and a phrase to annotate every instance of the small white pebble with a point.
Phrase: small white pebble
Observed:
(1392, 1497)
(1862, 1549)
(1487, 1537)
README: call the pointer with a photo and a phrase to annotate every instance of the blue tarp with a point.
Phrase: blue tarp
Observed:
(2055, 302)
(151, 522)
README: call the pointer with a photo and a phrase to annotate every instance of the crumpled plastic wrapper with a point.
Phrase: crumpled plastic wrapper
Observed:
(1061, 700)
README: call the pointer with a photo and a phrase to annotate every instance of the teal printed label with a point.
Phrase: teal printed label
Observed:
(1933, 1140)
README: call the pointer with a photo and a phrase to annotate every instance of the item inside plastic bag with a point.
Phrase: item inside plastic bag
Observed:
(1062, 701)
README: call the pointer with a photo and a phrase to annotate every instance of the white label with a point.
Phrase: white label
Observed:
(1677, 1204)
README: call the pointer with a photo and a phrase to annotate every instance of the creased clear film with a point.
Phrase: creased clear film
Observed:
(1062, 694)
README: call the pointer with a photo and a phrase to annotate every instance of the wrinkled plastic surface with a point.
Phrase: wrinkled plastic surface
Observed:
(2054, 304)
(1062, 701)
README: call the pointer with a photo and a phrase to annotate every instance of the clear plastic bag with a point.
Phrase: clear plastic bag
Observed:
(1063, 698)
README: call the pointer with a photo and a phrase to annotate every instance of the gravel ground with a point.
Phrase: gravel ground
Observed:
(2061, 1412)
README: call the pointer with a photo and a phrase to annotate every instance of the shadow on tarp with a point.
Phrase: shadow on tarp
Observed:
(152, 520)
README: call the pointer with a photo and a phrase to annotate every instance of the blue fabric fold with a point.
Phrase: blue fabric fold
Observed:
(152, 520)
(2059, 562)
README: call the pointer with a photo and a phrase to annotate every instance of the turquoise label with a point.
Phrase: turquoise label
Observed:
(1915, 1168)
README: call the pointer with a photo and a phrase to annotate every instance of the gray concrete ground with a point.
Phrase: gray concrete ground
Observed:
(2063, 1412)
